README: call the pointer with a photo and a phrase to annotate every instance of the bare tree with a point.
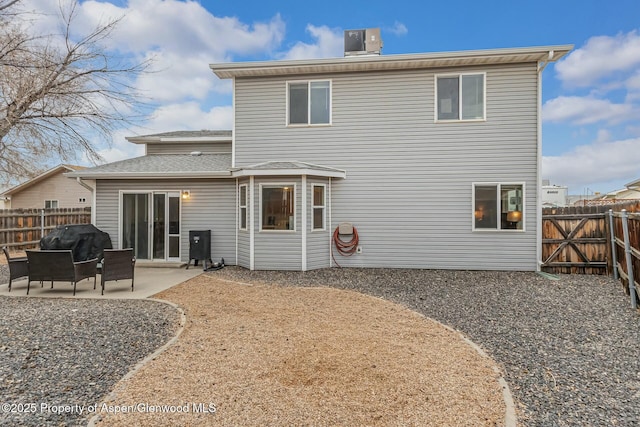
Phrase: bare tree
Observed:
(59, 96)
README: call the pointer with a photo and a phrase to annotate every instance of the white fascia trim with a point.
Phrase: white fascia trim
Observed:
(303, 225)
(198, 139)
(238, 215)
(252, 228)
(539, 174)
(155, 175)
(289, 172)
(328, 202)
(172, 139)
(233, 121)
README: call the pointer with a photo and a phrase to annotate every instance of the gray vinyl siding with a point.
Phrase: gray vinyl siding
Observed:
(188, 147)
(278, 250)
(317, 241)
(409, 179)
(211, 207)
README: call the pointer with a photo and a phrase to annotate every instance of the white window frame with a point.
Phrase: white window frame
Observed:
(309, 124)
(50, 203)
(498, 207)
(323, 207)
(459, 75)
(244, 206)
(295, 208)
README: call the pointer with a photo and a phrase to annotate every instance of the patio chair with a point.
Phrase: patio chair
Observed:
(57, 266)
(17, 266)
(117, 264)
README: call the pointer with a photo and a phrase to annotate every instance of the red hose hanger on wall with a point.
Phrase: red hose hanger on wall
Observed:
(345, 247)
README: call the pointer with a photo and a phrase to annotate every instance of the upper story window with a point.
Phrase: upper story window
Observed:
(460, 97)
(309, 102)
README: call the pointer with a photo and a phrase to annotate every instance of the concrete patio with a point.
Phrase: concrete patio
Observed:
(148, 282)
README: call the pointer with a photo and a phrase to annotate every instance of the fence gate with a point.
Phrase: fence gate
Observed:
(575, 243)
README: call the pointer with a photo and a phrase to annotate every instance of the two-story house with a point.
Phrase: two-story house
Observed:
(434, 159)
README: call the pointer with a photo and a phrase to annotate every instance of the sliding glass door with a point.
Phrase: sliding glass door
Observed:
(151, 225)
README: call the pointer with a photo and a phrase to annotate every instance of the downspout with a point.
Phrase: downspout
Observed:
(541, 66)
(93, 198)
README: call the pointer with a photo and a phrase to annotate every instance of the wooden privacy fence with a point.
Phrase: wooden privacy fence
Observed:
(577, 239)
(575, 243)
(625, 248)
(23, 228)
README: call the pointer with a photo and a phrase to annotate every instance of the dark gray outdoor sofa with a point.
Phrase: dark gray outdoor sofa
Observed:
(58, 266)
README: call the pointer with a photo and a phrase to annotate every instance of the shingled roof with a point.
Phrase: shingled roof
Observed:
(162, 166)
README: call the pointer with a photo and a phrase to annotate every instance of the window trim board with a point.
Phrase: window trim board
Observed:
(245, 206)
(295, 202)
(323, 206)
(308, 124)
(460, 119)
(498, 185)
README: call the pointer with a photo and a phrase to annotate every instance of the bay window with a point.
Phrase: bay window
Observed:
(277, 207)
(318, 207)
(242, 207)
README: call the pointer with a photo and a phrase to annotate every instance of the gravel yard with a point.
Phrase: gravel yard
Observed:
(71, 352)
(568, 347)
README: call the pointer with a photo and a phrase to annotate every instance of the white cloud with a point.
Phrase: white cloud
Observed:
(597, 163)
(398, 29)
(184, 27)
(603, 135)
(585, 110)
(600, 57)
(175, 77)
(329, 43)
(189, 116)
(185, 116)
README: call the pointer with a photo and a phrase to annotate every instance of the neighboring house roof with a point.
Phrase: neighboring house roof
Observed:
(634, 185)
(288, 168)
(624, 193)
(390, 62)
(183, 136)
(162, 166)
(42, 176)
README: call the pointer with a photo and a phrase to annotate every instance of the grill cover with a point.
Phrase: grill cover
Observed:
(85, 241)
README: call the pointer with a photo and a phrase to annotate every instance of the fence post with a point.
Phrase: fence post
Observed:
(614, 253)
(627, 250)
(41, 223)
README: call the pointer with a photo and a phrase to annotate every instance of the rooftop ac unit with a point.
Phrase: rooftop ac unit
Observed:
(362, 42)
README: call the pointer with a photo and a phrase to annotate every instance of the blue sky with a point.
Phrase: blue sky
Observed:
(591, 111)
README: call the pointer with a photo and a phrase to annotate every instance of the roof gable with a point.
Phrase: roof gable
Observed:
(62, 168)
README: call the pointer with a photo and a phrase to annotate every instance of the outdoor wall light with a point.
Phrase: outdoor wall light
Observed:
(186, 194)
